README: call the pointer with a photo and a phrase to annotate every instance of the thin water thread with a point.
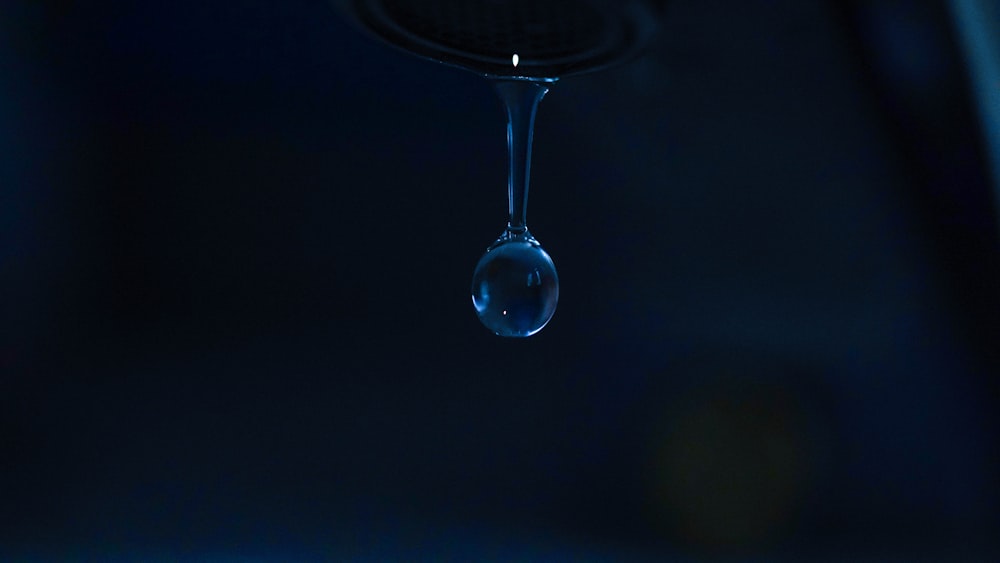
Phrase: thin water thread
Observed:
(520, 99)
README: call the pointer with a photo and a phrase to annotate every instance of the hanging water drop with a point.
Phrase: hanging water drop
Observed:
(515, 287)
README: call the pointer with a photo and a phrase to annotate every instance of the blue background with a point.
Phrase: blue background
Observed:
(236, 241)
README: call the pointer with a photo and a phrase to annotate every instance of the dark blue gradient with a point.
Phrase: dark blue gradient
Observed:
(235, 247)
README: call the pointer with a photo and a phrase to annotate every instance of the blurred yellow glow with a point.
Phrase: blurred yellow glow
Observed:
(729, 469)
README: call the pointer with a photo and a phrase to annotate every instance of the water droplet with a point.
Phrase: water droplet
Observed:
(515, 287)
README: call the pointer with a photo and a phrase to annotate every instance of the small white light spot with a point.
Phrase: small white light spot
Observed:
(505, 313)
(515, 59)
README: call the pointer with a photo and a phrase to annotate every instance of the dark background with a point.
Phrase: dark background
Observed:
(236, 241)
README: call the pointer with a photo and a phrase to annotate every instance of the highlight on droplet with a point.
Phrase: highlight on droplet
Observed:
(515, 59)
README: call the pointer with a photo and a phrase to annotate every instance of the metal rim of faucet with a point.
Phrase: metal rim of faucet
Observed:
(552, 38)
